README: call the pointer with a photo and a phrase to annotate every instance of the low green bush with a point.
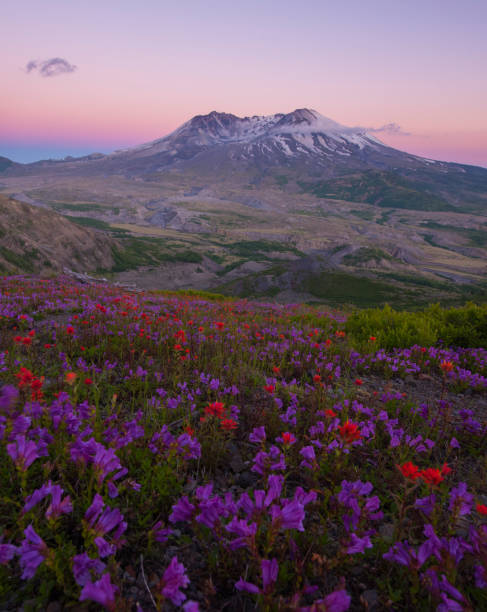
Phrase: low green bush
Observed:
(465, 326)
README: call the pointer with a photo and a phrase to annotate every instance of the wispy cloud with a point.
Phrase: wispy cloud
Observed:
(390, 128)
(54, 66)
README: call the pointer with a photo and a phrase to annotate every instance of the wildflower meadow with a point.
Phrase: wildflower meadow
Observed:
(166, 452)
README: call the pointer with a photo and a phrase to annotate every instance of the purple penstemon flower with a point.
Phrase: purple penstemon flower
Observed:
(8, 397)
(102, 520)
(23, 452)
(269, 570)
(84, 567)
(174, 579)
(460, 500)
(32, 552)
(291, 516)
(7, 553)
(102, 591)
(358, 545)
(57, 506)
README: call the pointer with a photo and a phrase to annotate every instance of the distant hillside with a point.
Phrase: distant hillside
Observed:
(34, 239)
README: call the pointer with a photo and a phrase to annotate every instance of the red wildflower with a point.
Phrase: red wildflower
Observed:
(316, 378)
(481, 509)
(409, 470)
(288, 438)
(432, 476)
(228, 424)
(359, 381)
(32, 333)
(349, 432)
(25, 377)
(216, 409)
(446, 366)
(27, 341)
(445, 470)
(330, 413)
(270, 388)
(276, 370)
(70, 377)
(70, 330)
(189, 430)
(372, 338)
(88, 381)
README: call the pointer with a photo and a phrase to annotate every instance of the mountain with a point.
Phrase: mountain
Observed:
(274, 205)
(306, 147)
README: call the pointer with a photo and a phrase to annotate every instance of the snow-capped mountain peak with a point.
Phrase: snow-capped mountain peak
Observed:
(301, 132)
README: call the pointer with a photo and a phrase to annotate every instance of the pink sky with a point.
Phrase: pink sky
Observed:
(143, 69)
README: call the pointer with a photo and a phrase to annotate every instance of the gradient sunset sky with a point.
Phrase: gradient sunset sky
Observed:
(128, 72)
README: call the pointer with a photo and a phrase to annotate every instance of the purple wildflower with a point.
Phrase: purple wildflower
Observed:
(83, 566)
(182, 510)
(426, 504)
(102, 591)
(460, 500)
(8, 397)
(308, 452)
(7, 552)
(271, 461)
(23, 452)
(173, 579)
(160, 533)
(358, 545)
(338, 601)
(249, 587)
(290, 516)
(270, 570)
(258, 435)
(32, 552)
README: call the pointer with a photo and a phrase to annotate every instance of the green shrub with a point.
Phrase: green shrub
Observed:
(465, 326)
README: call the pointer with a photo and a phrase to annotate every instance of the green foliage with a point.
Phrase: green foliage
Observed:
(137, 252)
(253, 248)
(384, 189)
(205, 295)
(79, 207)
(341, 288)
(367, 215)
(281, 180)
(22, 261)
(476, 237)
(365, 254)
(463, 326)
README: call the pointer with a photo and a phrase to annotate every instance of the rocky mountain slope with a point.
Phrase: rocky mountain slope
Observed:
(33, 239)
